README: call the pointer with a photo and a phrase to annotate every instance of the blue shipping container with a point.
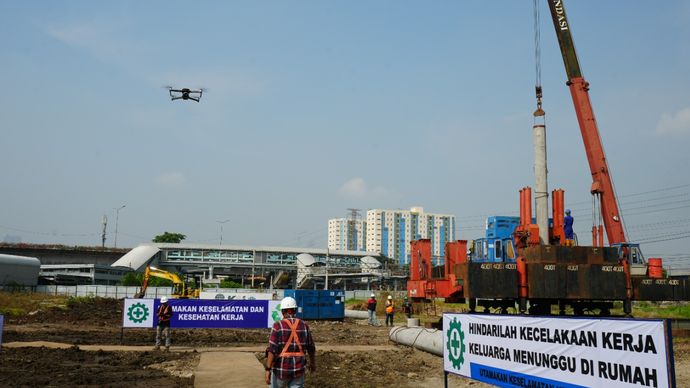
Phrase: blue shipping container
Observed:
(319, 304)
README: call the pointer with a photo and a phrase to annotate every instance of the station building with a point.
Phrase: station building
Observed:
(78, 274)
(278, 267)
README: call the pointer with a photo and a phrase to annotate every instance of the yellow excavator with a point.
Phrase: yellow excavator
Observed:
(180, 288)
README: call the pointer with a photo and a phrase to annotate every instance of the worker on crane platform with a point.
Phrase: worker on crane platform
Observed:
(568, 229)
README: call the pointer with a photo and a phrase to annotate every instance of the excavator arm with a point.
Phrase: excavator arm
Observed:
(602, 185)
(159, 273)
(180, 289)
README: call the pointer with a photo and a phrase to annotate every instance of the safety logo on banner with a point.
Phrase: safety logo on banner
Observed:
(138, 313)
(276, 314)
(455, 344)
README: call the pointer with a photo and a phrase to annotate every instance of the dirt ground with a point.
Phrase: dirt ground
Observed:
(98, 322)
(38, 367)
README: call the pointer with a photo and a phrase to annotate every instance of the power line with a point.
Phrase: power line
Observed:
(641, 193)
(573, 205)
(655, 198)
(667, 237)
(659, 210)
(672, 223)
(655, 191)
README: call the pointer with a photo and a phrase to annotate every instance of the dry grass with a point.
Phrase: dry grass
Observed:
(22, 303)
(432, 312)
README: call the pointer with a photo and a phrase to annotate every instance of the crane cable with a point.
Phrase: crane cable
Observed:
(537, 60)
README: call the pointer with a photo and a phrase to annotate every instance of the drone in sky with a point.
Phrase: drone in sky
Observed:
(185, 94)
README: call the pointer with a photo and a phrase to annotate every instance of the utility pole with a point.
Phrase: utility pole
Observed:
(105, 225)
(221, 230)
(117, 220)
(326, 285)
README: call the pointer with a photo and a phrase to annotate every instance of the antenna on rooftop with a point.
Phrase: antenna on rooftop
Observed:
(105, 225)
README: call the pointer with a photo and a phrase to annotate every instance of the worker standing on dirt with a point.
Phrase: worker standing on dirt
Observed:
(407, 307)
(164, 315)
(390, 310)
(568, 229)
(371, 308)
(290, 338)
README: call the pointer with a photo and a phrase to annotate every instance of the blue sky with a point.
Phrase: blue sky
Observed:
(314, 107)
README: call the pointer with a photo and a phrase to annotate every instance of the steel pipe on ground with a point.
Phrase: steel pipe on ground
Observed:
(356, 314)
(428, 340)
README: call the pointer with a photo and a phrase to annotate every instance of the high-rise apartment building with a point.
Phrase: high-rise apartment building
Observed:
(389, 232)
(347, 234)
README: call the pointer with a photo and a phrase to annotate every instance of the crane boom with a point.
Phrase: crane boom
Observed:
(602, 185)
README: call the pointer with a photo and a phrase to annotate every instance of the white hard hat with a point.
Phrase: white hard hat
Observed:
(164, 299)
(373, 296)
(390, 297)
(288, 303)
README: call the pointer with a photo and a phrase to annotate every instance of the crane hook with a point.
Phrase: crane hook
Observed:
(539, 112)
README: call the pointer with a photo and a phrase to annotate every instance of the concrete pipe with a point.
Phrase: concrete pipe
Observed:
(428, 340)
(356, 314)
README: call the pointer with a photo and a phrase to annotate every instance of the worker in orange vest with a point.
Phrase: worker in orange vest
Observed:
(290, 338)
(164, 314)
(390, 310)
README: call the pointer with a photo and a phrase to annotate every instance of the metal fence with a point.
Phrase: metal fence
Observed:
(365, 294)
(119, 292)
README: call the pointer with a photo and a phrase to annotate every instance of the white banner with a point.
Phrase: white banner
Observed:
(518, 351)
(238, 295)
(138, 313)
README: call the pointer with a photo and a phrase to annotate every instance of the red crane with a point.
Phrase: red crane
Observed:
(602, 185)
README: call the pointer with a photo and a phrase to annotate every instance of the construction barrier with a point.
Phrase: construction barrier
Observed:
(199, 313)
(524, 351)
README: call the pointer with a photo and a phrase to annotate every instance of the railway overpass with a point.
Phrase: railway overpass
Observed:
(279, 267)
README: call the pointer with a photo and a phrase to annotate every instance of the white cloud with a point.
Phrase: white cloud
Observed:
(171, 179)
(674, 124)
(105, 41)
(98, 39)
(355, 187)
(358, 188)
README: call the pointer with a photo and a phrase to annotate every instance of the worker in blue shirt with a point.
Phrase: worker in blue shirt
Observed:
(568, 229)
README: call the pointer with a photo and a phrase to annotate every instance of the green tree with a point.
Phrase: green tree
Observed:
(168, 237)
(227, 283)
(131, 279)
